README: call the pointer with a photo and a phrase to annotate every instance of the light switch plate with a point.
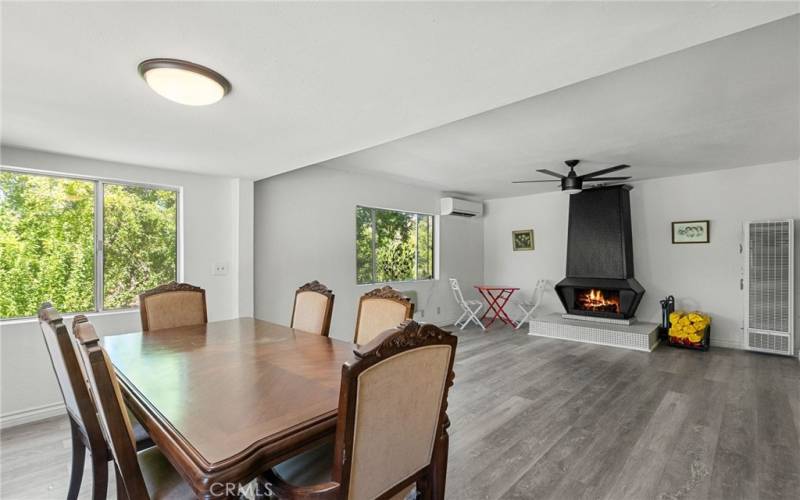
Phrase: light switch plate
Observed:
(220, 269)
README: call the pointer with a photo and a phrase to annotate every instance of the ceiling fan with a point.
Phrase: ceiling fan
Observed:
(573, 183)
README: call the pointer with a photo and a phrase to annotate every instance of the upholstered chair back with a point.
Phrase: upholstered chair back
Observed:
(394, 397)
(380, 310)
(172, 305)
(68, 369)
(313, 307)
(113, 417)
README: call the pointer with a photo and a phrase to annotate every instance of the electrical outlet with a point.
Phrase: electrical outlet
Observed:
(220, 269)
(422, 313)
(438, 310)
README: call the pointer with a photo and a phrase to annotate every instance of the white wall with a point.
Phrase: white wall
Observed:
(216, 225)
(701, 276)
(305, 230)
(243, 257)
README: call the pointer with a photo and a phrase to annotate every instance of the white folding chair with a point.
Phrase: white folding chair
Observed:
(528, 307)
(471, 308)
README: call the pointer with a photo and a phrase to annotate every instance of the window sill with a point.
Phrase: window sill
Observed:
(409, 282)
(90, 315)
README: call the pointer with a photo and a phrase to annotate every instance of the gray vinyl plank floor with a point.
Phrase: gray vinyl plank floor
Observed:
(551, 419)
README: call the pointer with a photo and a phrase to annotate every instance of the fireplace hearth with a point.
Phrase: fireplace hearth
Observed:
(599, 279)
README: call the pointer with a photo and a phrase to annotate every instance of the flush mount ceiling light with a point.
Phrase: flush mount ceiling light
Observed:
(184, 82)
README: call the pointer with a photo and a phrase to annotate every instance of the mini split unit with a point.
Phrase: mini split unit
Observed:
(461, 208)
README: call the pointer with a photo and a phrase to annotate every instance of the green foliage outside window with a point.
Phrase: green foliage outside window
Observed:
(393, 246)
(139, 242)
(364, 245)
(47, 235)
(46, 244)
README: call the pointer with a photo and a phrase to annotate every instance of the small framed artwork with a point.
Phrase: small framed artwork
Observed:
(694, 231)
(523, 239)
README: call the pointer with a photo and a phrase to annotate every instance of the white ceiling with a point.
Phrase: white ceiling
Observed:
(728, 103)
(313, 81)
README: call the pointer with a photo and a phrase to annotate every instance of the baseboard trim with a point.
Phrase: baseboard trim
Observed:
(728, 344)
(28, 415)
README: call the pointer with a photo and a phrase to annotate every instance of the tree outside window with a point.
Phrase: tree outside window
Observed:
(48, 229)
(393, 246)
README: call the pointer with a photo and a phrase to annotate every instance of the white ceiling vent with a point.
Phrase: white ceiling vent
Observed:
(461, 208)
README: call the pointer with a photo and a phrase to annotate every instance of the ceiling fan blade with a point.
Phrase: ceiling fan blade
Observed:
(523, 182)
(602, 179)
(603, 185)
(550, 172)
(603, 171)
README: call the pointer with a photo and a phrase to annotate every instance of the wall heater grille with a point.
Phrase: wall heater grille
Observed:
(769, 277)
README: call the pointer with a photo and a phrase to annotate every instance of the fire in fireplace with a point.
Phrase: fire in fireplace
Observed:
(597, 300)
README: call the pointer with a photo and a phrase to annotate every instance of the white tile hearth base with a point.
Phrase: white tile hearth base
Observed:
(595, 319)
(638, 336)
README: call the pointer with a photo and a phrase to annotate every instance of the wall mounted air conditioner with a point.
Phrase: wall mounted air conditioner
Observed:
(769, 286)
(462, 208)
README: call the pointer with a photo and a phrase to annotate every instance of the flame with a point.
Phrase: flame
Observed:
(595, 300)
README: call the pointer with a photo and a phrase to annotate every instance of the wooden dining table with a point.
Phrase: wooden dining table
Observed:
(227, 400)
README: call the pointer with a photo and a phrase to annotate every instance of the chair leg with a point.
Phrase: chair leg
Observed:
(525, 318)
(423, 488)
(473, 316)
(438, 468)
(460, 318)
(463, 322)
(99, 476)
(122, 493)
(78, 459)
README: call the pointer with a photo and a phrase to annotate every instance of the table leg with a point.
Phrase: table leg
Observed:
(486, 297)
(492, 301)
(504, 317)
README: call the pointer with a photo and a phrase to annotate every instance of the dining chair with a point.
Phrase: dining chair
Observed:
(81, 412)
(172, 305)
(141, 475)
(528, 308)
(469, 308)
(313, 307)
(391, 433)
(380, 310)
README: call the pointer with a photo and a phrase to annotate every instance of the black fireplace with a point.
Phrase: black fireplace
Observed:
(600, 278)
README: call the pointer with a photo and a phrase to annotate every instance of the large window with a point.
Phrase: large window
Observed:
(393, 246)
(84, 245)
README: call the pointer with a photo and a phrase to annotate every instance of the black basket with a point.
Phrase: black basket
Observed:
(704, 345)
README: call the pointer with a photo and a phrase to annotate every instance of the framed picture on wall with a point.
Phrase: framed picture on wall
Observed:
(522, 240)
(695, 231)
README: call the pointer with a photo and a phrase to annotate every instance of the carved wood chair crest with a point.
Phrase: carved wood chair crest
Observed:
(386, 292)
(316, 286)
(172, 286)
(409, 335)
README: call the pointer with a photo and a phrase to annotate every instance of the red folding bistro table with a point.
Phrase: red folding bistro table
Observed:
(497, 298)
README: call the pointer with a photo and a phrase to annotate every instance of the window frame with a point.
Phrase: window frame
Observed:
(373, 261)
(98, 229)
